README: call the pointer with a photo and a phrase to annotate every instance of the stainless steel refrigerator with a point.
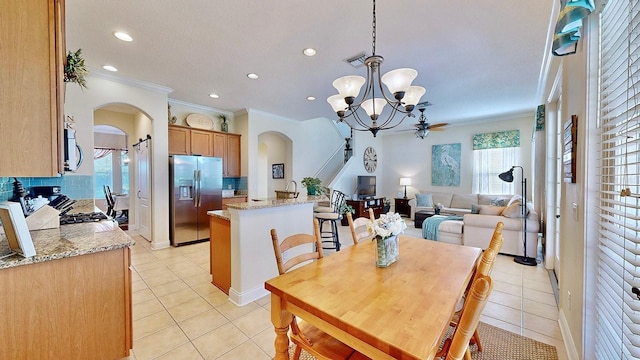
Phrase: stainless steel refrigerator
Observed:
(196, 187)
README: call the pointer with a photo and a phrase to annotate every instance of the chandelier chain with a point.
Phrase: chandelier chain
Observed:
(373, 32)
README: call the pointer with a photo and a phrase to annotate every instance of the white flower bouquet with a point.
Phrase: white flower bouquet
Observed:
(387, 225)
(385, 231)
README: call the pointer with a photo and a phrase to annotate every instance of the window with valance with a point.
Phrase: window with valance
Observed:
(493, 153)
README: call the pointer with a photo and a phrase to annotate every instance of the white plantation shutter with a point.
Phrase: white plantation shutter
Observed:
(617, 334)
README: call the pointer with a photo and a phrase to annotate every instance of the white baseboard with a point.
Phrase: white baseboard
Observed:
(569, 345)
(246, 297)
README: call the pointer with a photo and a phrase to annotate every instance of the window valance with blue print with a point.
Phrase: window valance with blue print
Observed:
(496, 140)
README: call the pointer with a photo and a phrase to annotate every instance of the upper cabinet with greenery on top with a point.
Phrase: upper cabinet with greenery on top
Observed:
(32, 54)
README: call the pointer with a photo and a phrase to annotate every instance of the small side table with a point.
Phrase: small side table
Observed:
(403, 207)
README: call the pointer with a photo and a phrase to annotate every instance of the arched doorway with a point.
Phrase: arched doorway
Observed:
(274, 148)
(110, 165)
(132, 124)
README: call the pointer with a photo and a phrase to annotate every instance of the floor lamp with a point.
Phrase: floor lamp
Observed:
(507, 176)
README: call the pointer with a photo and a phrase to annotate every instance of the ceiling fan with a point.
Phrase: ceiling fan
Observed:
(423, 127)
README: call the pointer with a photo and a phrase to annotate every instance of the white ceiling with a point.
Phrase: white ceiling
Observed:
(476, 58)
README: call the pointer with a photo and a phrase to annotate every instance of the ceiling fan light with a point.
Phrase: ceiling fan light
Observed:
(337, 103)
(413, 94)
(399, 79)
(422, 133)
(373, 107)
(349, 86)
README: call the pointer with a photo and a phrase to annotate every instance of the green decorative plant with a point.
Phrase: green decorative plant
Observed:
(75, 69)
(313, 185)
(345, 208)
(223, 125)
(386, 205)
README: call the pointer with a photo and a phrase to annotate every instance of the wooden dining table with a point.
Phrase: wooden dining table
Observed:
(399, 312)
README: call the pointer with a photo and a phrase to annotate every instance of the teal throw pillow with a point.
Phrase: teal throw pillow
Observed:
(498, 202)
(475, 209)
(424, 200)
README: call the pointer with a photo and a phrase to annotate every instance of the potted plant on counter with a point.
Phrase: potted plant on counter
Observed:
(344, 209)
(313, 185)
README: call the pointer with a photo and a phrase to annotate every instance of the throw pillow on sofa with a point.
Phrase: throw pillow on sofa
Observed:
(424, 200)
(491, 210)
(475, 209)
(498, 202)
(515, 198)
(514, 210)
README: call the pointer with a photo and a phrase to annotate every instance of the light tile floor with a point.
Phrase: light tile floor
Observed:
(178, 314)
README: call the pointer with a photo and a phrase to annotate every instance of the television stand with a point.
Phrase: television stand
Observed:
(361, 207)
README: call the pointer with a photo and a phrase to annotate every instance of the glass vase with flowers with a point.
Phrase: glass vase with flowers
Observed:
(386, 230)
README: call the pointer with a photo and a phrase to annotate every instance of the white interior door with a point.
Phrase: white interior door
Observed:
(143, 189)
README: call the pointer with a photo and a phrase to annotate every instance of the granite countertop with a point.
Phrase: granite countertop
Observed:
(67, 241)
(221, 214)
(255, 204)
(235, 196)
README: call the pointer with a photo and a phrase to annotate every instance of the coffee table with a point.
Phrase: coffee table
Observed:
(419, 216)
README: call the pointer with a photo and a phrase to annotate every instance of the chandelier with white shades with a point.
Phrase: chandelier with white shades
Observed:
(404, 96)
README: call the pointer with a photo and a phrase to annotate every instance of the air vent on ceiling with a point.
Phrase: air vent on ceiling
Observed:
(423, 104)
(357, 60)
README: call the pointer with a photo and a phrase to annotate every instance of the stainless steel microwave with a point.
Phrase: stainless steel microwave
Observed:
(72, 151)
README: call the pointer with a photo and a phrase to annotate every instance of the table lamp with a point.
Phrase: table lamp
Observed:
(405, 182)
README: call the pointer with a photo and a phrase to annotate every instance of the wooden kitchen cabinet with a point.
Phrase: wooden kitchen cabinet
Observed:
(179, 140)
(227, 146)
(232, 157)
(201, 143)
(32, 54)
(187, 141)
(71, 308)
(220, 250)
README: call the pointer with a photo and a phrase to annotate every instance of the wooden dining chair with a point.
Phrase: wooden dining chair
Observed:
(484, 267)
(457, 346)
(303, 335)
(358, 226)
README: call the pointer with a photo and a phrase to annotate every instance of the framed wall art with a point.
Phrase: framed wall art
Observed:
(277, 171)
(445, 165)
(569, 147)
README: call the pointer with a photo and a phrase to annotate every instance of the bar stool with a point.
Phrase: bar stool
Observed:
(331, 214)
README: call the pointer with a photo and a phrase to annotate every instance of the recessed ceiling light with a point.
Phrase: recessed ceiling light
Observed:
(309, 51)
(213, 96)
(109, 68)
(252, 76)
(311, 98)
(123, 36)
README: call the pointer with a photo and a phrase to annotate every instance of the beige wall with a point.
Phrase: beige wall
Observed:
(404, 155)
(578, 95)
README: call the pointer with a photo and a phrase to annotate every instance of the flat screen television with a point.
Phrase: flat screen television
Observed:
(366, 187)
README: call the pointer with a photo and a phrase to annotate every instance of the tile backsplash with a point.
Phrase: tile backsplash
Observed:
(81, 186)
(75, 187)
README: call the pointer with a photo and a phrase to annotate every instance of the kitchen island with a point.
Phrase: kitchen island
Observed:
(72, 300)
(249, 251)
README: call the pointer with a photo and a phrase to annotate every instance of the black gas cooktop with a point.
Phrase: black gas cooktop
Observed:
(82, 218)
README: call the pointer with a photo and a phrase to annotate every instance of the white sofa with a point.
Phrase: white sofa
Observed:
(477, 229)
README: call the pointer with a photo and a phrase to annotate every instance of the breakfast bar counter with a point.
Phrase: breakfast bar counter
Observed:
(242, 256)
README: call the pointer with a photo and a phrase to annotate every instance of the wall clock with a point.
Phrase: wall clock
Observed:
(370, 159)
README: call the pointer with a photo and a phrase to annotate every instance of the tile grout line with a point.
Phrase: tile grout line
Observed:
(229, 320)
